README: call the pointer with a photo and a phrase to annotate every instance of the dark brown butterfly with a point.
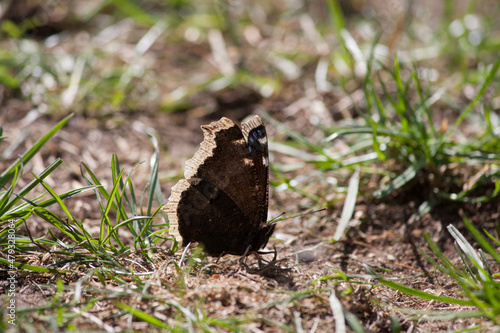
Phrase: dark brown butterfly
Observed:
(222, 202)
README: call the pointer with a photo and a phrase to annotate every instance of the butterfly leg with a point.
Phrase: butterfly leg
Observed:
(243, 258)
(220, 256)
(267, 263)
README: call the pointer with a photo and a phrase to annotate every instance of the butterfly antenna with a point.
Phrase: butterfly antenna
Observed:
(315, 211)
(277, 218)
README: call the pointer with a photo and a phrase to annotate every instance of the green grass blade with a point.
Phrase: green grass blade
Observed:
(25, 190)
(56, 221)
(423, 294)
(5, 197)
(154, 185)
(298, 137)
(468, 250)
(106, 225)
(483, 242)
(336, 15)
(31, 268)
(57, 199)
(7, 175)
(142, 315)
(369, 130)
(4, 201)
(489, 79)
(26, 208)
(446, 266)
(115, 228)
(132, 203)
(136, 12)
(94, 182)
(492, 237)
(148, 223)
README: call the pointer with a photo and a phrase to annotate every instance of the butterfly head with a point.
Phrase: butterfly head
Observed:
(262, 236)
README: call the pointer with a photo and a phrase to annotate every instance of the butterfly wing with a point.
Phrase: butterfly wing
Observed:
(255, 135)
(222, 201)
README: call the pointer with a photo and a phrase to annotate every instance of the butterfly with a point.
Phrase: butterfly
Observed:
(223, 199)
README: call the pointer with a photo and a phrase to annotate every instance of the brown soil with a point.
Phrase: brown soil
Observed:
(379, 236)
(292, 292)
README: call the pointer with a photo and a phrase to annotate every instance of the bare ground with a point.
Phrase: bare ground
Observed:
(292, 291)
